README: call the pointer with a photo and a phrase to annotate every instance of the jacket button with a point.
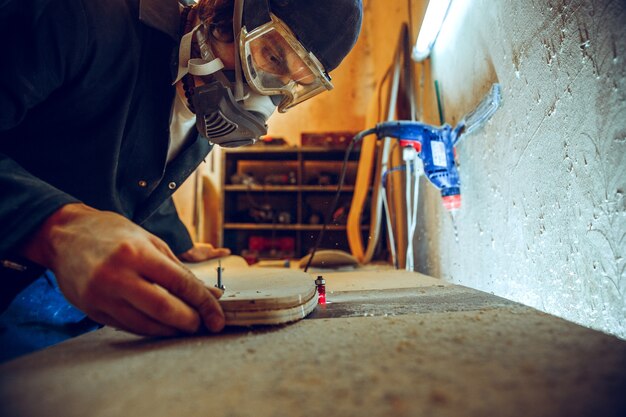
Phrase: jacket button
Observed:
(142, 184)
(171, 185)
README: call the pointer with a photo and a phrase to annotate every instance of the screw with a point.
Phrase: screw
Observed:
(219, 270)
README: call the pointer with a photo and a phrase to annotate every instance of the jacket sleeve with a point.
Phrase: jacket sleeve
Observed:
(43, 49)
(166, 224)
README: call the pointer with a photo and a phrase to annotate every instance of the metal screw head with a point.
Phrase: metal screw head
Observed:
(219, 270)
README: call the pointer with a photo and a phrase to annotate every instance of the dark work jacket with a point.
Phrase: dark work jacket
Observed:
(85, 106)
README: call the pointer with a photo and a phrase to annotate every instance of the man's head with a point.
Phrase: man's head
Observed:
(327, 28)
(285, 49)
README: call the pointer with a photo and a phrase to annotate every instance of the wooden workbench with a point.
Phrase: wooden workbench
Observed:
(392, 343)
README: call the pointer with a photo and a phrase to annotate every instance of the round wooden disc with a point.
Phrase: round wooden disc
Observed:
(260, 295)
(253, 289)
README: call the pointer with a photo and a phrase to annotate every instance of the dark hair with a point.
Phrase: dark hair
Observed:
(219, 16)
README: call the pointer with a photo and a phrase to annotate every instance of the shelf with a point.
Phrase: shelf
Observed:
(326, 188)
(286, 149)
(262, 188)
(269, 226)
(299, 195)
(286, 188)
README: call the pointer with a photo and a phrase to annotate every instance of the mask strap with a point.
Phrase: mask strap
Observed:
(196, 66)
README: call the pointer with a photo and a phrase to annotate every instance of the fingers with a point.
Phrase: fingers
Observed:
(141, 307)
(181, 283)
(216, 292)
(215, 252)
(203, 252)
(113, 269)
(161, 306)
(131, 320)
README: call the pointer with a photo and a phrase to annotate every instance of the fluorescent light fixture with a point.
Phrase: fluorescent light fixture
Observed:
(433, 20)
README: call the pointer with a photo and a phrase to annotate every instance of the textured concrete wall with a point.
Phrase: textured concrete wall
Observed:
(544, 214)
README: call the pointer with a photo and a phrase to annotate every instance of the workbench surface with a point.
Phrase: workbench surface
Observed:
(422, 348)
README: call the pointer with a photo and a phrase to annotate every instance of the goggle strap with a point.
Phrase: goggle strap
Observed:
(237, 23)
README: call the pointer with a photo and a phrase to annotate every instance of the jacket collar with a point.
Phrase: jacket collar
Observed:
(163, 15)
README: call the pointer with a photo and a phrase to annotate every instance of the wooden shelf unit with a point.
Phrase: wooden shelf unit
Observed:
(287, 194)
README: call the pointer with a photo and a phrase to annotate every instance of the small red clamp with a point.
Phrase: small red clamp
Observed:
(320, 282)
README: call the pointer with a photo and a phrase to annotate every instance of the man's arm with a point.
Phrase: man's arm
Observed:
(112, 269)
(121, 275)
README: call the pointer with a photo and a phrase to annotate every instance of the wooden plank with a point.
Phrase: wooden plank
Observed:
(210, 230)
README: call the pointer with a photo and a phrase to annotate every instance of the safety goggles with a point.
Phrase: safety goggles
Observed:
(276, 64)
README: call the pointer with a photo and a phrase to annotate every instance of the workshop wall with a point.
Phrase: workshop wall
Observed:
(543, 220)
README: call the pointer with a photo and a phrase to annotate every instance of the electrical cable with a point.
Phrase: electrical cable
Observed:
(392, 245)
(333, 205)
(391, 207)
(409, 216)
(387, 209)
(380, 91)
(416, 176)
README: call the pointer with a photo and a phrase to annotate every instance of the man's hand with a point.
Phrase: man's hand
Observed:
(121, 275)
(203, 252)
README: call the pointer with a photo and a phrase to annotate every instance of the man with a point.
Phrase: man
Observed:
(91, 147)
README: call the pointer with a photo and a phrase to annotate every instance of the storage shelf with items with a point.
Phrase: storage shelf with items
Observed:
(275, 199)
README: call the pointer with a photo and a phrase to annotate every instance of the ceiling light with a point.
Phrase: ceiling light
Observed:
(431, 25)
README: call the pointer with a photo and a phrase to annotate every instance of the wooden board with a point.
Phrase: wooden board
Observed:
(269, 317)
(259, 295)
(209, 225)
(366, 167)
(329, 258)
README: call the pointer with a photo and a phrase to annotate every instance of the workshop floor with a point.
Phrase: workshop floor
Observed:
(415, 347)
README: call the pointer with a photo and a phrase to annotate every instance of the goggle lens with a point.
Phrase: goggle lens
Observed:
(275, 63)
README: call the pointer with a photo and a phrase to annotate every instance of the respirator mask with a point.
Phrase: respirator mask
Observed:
(279, 72)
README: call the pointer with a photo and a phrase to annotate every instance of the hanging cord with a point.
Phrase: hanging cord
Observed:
(333, 206)
(401, 91)
(409, 215)
(380, 91)
(388, 208)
